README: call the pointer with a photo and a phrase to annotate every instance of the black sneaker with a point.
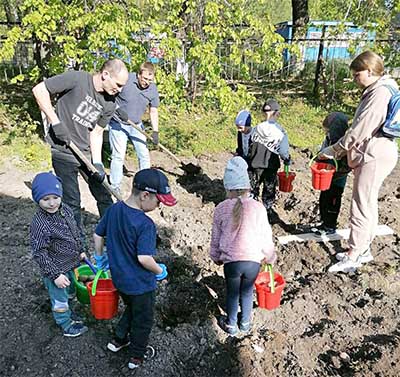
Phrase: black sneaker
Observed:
(323, 230)
(117, 344)
(75, 330)
(136, 362)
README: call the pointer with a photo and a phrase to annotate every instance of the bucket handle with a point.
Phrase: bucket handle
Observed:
(286, 170)
(334, 160)
(96, 279)
(268, 267)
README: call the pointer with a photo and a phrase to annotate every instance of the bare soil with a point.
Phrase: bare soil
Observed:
(327, 324)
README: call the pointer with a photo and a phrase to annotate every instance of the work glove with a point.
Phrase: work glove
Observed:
(164, 272)
(102, 261)
(287, 161)
(327, 153)
(61, 133)
(100, 174)
(155, 137)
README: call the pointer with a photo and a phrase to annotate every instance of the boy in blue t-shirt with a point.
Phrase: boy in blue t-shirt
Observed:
(131, 245)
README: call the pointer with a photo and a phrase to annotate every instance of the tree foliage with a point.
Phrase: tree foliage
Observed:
(84, 33)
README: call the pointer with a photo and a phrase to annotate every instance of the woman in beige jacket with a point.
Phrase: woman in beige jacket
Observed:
(371, 155)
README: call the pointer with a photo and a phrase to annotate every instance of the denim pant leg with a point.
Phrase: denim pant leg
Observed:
(240, 278)
(59, 303)
(118, 138)
(139, 143)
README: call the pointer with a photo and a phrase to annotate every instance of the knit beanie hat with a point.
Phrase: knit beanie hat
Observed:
(46, 184)
(236, 176)
(243, 119)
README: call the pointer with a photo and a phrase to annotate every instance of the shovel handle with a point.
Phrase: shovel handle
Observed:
(89, 263)
(134, 125)
(91, 167)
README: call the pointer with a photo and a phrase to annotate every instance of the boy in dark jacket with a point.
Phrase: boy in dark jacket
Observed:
(335, 126)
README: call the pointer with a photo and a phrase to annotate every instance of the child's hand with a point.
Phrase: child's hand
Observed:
(62, 281)
(270, 260)
(82, 256)
(102, 261)
(164, 273)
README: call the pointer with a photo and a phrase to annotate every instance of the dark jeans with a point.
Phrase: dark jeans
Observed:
(67, 168)
(240, 277)
(137, 321)
(268, 178)
(329, 205)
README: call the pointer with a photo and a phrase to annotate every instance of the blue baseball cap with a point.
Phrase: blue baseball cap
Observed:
(46, 184)
(156, 182)
(243, 119)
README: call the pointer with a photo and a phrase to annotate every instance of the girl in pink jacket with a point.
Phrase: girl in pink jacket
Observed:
(370, 155)
(241, 239)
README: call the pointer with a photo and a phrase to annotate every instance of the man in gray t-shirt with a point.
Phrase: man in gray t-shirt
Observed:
(85, 105)
(138, 94)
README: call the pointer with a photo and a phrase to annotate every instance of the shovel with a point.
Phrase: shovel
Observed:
(92, 169)
(190, 168)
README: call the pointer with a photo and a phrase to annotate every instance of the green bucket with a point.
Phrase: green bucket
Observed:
(81, 291)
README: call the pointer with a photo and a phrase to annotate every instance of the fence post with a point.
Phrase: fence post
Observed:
(319, 63)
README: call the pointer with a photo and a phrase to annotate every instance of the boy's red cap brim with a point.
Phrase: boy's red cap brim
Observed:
(166, 199)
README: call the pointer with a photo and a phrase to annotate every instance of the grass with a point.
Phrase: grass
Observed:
(194, 133)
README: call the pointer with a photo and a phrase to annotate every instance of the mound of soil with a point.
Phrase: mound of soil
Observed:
(327, 324)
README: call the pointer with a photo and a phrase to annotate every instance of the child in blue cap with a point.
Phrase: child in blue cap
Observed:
(131, 246)
(57, 249)
(244, 132)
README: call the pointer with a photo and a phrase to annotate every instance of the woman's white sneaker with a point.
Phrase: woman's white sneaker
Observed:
(363, 258)
(345, 265)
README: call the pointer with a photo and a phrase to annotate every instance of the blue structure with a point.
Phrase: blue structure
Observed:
(335, 46)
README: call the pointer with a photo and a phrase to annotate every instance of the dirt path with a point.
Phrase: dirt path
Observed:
(327, 325)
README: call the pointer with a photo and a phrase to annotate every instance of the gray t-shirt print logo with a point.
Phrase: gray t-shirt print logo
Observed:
(87, 112)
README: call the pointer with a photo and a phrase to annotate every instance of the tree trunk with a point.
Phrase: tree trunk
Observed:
(300, 15)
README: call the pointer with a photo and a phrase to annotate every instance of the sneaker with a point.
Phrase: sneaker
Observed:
(76, 318)
(229, 329)
(365, 257)
(117, 344)
(75, 330)
(136, 362)
(245, 327)
(150, 353)
(323, 230)
(345, 265)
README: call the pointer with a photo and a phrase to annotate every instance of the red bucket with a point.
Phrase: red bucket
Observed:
(322, 174)
(265, 297)
(103, 298)
(286, 181)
